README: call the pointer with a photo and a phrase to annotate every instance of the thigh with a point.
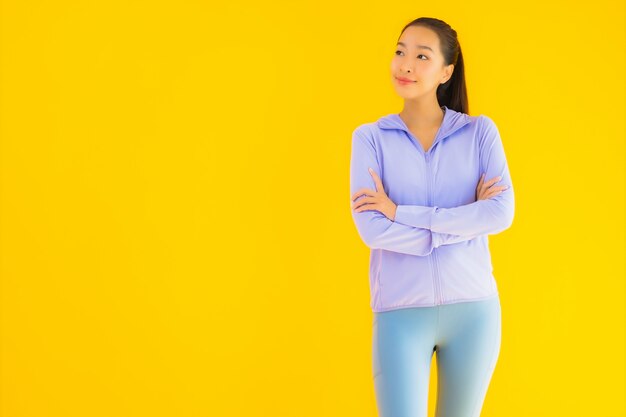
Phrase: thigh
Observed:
(467, 352)
(403, 342)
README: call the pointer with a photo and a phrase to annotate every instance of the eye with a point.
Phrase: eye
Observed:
(418, 55)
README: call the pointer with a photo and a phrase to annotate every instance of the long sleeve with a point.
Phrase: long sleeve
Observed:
(490, 216)
(374, 228)
(448, 239)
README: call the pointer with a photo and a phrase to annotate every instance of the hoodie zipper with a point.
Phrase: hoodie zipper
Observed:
(434, 253)
(429, 185)
(434, 261)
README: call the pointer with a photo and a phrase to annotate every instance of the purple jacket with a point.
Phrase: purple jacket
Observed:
(436, 251)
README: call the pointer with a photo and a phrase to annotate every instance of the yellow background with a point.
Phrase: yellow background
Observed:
(176, 236)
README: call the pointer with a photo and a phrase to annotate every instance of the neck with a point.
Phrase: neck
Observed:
(421, 115)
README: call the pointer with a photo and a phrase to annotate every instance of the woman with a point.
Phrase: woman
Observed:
(421, 202)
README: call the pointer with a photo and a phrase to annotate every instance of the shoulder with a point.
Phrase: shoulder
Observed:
(478, 123)
(487, 129)
(365, 128)
(485, 121)
(362, 129)
(376, 130)
(365, 132)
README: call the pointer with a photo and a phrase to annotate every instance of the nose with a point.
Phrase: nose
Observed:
(405, 68)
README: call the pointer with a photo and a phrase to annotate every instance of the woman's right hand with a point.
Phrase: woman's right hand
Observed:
(486, 190)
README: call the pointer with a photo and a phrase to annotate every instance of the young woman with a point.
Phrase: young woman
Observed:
(421, 202)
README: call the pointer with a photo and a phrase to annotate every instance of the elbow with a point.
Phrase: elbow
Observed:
(368, 239)
(365, 237)
(509, 212)
(506, 224)
(505, 221)
(501, 218)
(509, 218)
(371, 237)
(366, 231)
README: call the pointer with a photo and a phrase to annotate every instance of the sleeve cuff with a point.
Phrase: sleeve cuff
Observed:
(416, 216)
(436, 237)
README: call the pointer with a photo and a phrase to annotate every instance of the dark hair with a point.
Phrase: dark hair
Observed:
(452, 93)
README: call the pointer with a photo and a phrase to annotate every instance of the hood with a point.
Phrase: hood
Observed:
(452, 121)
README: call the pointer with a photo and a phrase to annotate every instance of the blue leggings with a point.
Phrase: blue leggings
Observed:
(466, 336)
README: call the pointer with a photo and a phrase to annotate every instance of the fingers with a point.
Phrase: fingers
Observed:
(484, 185)
(493, 180)
(502, 188)
(362, 202)
(481, 184)
(486, 190)
(494, 191)
(361, 192)
(378, 183)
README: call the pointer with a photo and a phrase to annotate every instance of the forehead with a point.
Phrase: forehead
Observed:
(416, 37)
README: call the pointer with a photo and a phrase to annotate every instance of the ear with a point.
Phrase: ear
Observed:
(448, 72)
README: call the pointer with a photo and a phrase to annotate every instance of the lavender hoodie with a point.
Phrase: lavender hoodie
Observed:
(436, 251)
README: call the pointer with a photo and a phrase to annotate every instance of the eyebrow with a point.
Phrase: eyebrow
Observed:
(419, 46)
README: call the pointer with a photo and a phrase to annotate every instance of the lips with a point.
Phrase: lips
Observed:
(406, 80)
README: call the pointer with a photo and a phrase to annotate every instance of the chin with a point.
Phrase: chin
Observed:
(406, 94)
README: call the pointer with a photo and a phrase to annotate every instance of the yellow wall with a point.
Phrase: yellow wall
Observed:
(176, 236)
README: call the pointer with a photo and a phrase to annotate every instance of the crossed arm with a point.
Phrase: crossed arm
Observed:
(416, 230)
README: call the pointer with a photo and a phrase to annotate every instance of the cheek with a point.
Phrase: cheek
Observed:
(431, 72)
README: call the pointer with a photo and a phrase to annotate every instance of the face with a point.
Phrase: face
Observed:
(419, 59)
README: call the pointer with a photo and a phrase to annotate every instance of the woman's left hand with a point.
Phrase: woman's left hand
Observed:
(374, 200)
